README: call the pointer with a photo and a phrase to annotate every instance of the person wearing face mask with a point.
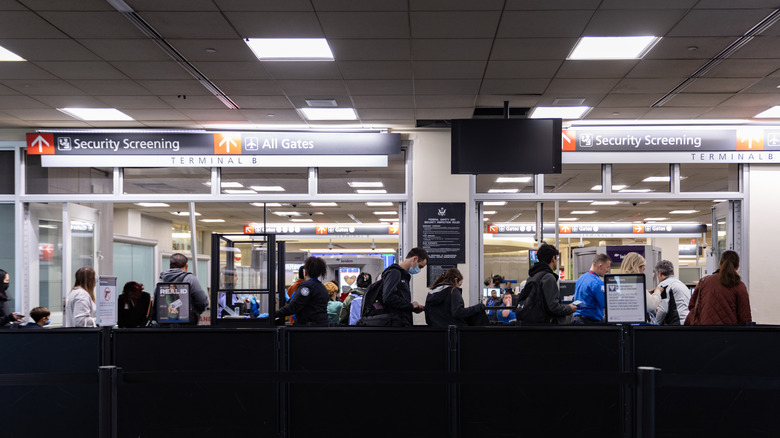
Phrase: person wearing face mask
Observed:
(444, 304)
(396, 293)
(40, 317)
(5, 313)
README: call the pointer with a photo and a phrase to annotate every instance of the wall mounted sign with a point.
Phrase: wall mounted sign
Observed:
(106, 299)
(221, 149)
(356, 230)
(441, 231)
(602, 230)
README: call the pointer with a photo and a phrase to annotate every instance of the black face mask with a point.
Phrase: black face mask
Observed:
(4, 287)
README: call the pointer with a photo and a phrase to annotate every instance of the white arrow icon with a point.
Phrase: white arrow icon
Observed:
(566, 137)
(40, 141)
(229, 142)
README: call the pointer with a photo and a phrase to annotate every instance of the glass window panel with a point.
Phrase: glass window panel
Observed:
(203, 270)
(500, 184)
(574, 178)
(269, 180)
(640, 178)
(82, 180)
(134, 262)
(7, 257)
(50, 264)
(7, 170)
(507, 255)
(338, 179)
(82, 242)
(182, 180)
(719, 177)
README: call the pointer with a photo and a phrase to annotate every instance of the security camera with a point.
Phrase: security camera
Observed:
(704, 245)
(311, 214)
(634, 203)
(294, 205)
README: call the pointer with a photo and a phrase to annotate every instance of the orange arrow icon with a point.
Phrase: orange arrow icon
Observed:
(226, 143)
(639, 229)
(40, 144)
(565, 229)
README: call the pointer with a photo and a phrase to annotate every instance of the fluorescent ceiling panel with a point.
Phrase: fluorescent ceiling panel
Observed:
(323, 204)
(96, 114)
(503, 190)
(213, 220)
(584, 212)
(365, 184)
(600, 48)
(683, 211)
(290, 49)
(370, 191)
(7, 55)
(513, 179)
(328, 113)
(379, 204)
(657, 179)
(494, 203)
(771, 113)
(267, 189)
(152, 204)
(558, 112)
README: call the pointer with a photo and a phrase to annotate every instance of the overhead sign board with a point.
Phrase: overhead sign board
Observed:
(602, 230)
(324, 230)
(669, 144)
(239, 149)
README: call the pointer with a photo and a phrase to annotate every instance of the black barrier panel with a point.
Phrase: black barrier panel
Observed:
(714, 381)
(391, 402)
(541, 382)
(196, 382)
(61, 365)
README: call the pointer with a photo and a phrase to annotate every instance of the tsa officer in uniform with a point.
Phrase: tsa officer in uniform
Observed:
(310, 302)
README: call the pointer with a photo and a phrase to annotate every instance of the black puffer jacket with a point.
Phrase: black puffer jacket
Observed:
(444, 307)
(556, 310)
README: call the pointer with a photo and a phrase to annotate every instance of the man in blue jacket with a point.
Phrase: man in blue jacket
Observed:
(589, 290)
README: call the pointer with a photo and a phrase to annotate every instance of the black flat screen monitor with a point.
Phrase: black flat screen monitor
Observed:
(624, 295)
(172, 302)
(506, 146)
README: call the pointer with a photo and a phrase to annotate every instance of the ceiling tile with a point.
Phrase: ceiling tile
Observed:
(70, 5)
(82, 70)
(456, 5)
(26, 24)
(760, 47)
(472, 24)
(595, 69)
(521, 69)
(445, 101)
(733, 112)
(767, 85)
(160, 70)
(375, 69)
(249, 88)
(630, 100)
(172, 5)
(11, 5)
(515, 49)
(388, 114)
(514, 86)
(317, 70)
(379, 87)
(96, 24)
(301, 87)
(720, 85)
(449, 69)
(697, 99)
(70, 101)
(45, 49)
(11, 70)
(38, 114)
(688, 48)
(134, 102)
(249, 102)
(20, 102)
(451, 49)
(531, 5)
(743, 68)
(109, 87)
(670, 113)
(213, 115)
(42, 87)
(543, 24)
(189, 87)
(364, 24)
(155, 114)
(709, 22)
(370, 49)
(280, 115)
(568, 86)
(644, 4)
(752, 100)
(360, 5)
(193, 102)
(124, 50)
(633, 22)
(485, 101)
(185, 24)
(616, 113)
(646, 86)
(275, 24)
(728, 4)
(446, 86)
(444, 113)
(673, 68)
(265, 5)
(399, 101)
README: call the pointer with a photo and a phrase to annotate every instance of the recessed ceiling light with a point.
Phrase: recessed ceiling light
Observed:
(239, 192)
(683, 211)
(352, 216)
(632, 47)
(584, 212)
(287, 213)
(379, 213)
(152, 204)
(657, 179)
(484, 219)
(370, 191)
(379, 204)
(388, 219)
(771, 113)
(656, 218)
(568, 219)
(513, 179)
(636, 190)
(489, 212)
(230, 185)
(583, 200)
(302, 220)
(322, 103)
(267, 204)
(96, 114)
(354, 184)
(605, 203)
(267, 188)
(503, 190)
(290, 49)
(494, 203)
(323, 204)
(7, 55)
(615, 188)
(212, 220)
(558, 112)
(183, 213)
(328, 113)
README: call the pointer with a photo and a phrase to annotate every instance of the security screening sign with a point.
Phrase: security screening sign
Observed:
(220, 149)
(627, 230)
(669, 144)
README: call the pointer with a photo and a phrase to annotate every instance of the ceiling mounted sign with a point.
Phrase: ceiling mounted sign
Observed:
(601, 230)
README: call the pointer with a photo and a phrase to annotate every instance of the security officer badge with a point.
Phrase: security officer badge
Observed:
(305, 291)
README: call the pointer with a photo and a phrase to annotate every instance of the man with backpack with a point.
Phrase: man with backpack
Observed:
(540, 299)
(388, 302)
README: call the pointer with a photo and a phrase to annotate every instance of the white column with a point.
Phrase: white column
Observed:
(763, 240)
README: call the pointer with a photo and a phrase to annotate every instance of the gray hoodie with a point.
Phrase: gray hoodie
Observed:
(199, 300)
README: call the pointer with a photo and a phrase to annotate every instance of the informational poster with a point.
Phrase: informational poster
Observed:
(625, 299)
(348, 279)
(441, 230)
(434, 271)
(173, 303)
(106, 301)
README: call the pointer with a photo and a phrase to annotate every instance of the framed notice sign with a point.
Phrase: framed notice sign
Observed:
(172, 302)
(625, 299)
(441, 231)
(105, 297)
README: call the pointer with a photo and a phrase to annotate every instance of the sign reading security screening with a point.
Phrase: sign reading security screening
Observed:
(669, 144)
(602, 230)
(356, 230)
(224, 149)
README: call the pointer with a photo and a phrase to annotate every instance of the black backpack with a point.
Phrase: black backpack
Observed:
(531, 307)
(372, 299)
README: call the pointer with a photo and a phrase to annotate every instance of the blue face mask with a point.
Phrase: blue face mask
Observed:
(47, 322)
(415, 270)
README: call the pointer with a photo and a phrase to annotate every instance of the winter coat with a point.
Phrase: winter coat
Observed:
(199, 300)
(556, 310)
(714, 304)
(444, 307)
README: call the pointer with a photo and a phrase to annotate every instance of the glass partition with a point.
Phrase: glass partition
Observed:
(183, 180)
(76, 180)
(391, 179)
(7, 172)
(505, 184)
(574, 178)
(269, 180)
(641, 178)
(718, 177)
(8, 257)
(134, 262)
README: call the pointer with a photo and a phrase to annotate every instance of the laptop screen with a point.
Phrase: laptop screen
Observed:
(625, 299)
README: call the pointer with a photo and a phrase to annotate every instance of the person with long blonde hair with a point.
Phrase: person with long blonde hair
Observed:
(80, 307)
(633, 263)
